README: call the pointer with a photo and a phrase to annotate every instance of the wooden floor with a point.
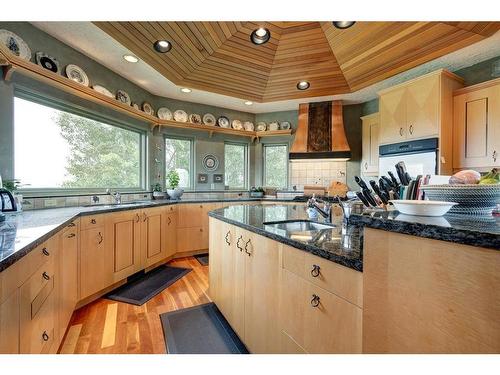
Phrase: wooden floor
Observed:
(111, 327)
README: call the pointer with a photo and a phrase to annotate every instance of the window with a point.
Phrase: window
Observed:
(276, 165)
(235, 165)
(179, 157)
(55, 149)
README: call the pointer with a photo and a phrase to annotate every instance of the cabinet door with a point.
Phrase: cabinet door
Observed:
(192, 239)
(216, 243)
(476, 121)
(262, 270)
(371, 128)
(94, 275)
(422, 107)
(9, 324)
(205, 209)
(154, 231)
(123, 247)
(189, 215)
(170, 234)
(68, 279)
(393, 116)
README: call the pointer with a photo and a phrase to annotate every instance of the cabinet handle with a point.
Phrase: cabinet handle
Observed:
(45, 276)
(100, 238)
(92, 221)
(201, 229)
(315, 300)
(71, 235)
(169, 221)
(71, 224)
(227, 239)
(315, 270)
(45, 336)
(246, 248)
(238, 243)
(366, 165)
(45, 251)
(201, 206)
(137, 218)
(411, 129)
(144, 216)
(401, 132)
(495, 156)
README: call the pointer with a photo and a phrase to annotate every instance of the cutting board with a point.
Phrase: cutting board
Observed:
(338, 188)
(314, 189)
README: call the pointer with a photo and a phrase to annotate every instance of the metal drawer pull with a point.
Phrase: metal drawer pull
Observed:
(169, 221)
(315, 300)
(315, 270)
(45, 276)
(495, 155)
(238, 243)
(71, 224)
(366, 165)
(411, 129)
(45, 251)
(144, 216)
(137, 218)
(71, 235)
(227, 239)
(100, 238)
(92, 221)
(401, 132)
(246, 248)
(45, 336)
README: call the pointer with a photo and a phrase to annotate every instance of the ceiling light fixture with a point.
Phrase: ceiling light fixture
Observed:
(162, 46)
(260, 36)
(343, 24)
(248, 102)
(186, 90)
(303, 85)
(130, 58)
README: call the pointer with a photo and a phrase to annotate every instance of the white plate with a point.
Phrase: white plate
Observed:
(209, 119)
(223, 122)
(422, 208)
(237, 125)
(285, 125)
(180, 116)
(15, 44)
(147, 108)
(75, 73)
(164, 113)
(274, 126)
(261, 126)
(47, 62)
(103, 90)
(195, 118)
(124, 97)
(248, 126)
(136, 106)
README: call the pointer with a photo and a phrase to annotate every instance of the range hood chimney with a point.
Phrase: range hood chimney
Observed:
(320, 132)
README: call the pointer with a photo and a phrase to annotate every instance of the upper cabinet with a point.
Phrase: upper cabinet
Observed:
(476, 119)
(371, 129)
(421, 108)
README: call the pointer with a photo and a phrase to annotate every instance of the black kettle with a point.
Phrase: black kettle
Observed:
(8, 201)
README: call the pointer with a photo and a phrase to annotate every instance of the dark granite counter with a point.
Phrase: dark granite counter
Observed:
(481, 231)
(22, 232)
(341, 243)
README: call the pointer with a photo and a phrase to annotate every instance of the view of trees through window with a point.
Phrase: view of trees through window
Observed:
(235, 165)
(276, 166)
(178, 156)
(82, 153)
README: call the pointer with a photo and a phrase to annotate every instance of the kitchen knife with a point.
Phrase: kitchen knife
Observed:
(385, 186)
(362, 199)
(395, 182)
(368, 195)
(400, 174)
(387, 182)
(377, 190)
(407, 178)
(361, 183)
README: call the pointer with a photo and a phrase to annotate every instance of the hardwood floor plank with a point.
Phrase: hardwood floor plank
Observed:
(108, 336)
(71, 340)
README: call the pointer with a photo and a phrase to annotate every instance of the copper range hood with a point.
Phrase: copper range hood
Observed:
(320, 132)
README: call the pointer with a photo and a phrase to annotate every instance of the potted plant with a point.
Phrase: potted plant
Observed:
(175, 191)
(12, 186)
(256, 192)
(157, 193)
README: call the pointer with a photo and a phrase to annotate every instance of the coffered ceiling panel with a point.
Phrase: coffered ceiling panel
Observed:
(219, 56)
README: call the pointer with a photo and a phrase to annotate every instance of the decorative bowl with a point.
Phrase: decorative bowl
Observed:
(422, 208)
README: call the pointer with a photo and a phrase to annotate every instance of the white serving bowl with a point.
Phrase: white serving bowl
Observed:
(422, 208)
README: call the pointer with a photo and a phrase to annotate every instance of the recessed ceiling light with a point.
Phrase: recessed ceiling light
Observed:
(162, 46)
(303, 85)
(260, 35)
(186, 90)
(343, 24)
(130, 58)
(248, 102)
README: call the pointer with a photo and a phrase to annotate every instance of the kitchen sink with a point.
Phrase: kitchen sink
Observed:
(125, 204)
(298, 226)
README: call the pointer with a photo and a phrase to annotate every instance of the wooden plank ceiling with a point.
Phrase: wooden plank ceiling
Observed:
(219, 56)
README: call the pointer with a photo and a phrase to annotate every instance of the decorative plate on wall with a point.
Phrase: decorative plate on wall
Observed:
(195, 118)
(103, 90)
(248, 126)
(147, 108)
(47, 62)
(136, 106)
(209, 119)
(15, 44)
(202, 178)
(223, 122)
(75, 73)
(274, 125)
(180, 116)
(210, 162)
(261, 126)
(124, 97)
(285, 125)
(237, 125)
(164, 113)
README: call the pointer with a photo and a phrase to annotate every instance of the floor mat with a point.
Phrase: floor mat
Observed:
(202, 259)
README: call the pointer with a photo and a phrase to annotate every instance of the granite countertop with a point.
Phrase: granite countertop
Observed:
(481, 231)
(341, 243)
(22, 232)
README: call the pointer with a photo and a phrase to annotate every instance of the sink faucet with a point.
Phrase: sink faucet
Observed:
(116, 195)
(326, 211)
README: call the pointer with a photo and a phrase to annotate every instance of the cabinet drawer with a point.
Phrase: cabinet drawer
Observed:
(289, 346)
(73, 227)
(92, 221)
(171, 209)
(343, 281)
(38, 287)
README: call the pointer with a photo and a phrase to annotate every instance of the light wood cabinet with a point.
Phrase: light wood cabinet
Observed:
(370, 143)
(94, 273)
(392, 107)
(170, 233)
(9, 324)
(192, 226)
(154, 235)
(476, 119)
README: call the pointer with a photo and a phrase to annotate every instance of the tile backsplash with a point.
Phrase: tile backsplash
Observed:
(316, 172)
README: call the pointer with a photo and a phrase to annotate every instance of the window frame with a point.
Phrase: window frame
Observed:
(264, 146)
(191, 160)
(64, 106)
(246, 164)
